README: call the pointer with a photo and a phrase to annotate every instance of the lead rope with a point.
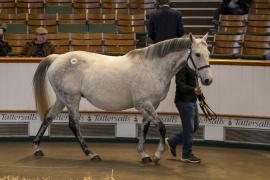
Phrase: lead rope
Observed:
(207, 111)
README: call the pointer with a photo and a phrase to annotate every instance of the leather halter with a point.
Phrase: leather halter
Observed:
(196, 68)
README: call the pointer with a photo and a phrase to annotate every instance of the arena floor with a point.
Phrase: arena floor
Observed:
(121, 162)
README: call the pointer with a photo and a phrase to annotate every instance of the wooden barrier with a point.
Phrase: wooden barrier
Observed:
(241, 62)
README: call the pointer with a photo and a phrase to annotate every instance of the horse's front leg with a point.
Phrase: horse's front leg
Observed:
(149, 112)
(74, 125)
(144, 129)
(162, 131)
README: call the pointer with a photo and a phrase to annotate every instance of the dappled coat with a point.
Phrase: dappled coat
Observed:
(33, 49)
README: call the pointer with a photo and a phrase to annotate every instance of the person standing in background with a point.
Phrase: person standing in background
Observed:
(164, 23)
(232, 7)
(4, 46)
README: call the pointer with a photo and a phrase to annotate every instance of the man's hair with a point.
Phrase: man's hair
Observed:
(162, 2)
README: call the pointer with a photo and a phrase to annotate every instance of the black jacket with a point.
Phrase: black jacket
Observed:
(4, 48)
(165, 23)
(31, 49)
(242, 9)
(185, 83)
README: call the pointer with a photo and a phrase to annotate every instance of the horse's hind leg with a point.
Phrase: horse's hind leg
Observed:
(74, 118)
(48, 118)
(144, 129)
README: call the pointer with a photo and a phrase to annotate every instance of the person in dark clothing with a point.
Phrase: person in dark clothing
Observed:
(164, 23)
(4, 46)
(40, 46)
(185, 99)
(232, 7)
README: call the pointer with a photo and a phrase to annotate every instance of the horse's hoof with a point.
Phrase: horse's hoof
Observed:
(39, 153)
(156, 160)
(146, 160)
(96, 158)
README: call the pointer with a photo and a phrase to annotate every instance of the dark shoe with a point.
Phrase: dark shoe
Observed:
(191, 159)
(170, 147)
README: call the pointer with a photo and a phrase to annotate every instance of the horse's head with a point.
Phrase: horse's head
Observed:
(198, 59)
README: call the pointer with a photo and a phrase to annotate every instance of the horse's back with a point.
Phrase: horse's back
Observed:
(103, 80)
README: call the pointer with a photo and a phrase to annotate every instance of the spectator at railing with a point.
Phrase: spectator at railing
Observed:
(40, 46)
(267, 55)
(232, 7)
(4, 46)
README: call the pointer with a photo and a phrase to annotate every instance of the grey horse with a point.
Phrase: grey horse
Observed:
(140, 79)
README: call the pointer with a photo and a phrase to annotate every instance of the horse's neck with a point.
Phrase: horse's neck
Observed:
(172, 63)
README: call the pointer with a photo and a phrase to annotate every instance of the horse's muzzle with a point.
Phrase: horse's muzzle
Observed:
(207, 82)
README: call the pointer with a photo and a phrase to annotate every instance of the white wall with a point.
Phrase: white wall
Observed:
(239, 90)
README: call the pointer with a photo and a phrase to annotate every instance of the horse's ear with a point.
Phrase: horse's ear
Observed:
(205, 37)
(191, 37)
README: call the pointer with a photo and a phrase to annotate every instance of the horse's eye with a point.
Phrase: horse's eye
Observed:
(197, 55)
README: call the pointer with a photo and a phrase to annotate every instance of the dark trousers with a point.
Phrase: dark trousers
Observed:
(190, 124)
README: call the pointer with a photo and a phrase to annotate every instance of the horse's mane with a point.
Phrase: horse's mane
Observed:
(162, 48)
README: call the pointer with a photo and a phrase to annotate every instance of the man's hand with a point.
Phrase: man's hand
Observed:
(201, 103)
(197, 91)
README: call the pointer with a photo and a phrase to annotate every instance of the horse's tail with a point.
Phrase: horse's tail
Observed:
(39, 86)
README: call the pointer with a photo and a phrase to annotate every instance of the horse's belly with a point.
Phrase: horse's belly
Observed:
(108, 99)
